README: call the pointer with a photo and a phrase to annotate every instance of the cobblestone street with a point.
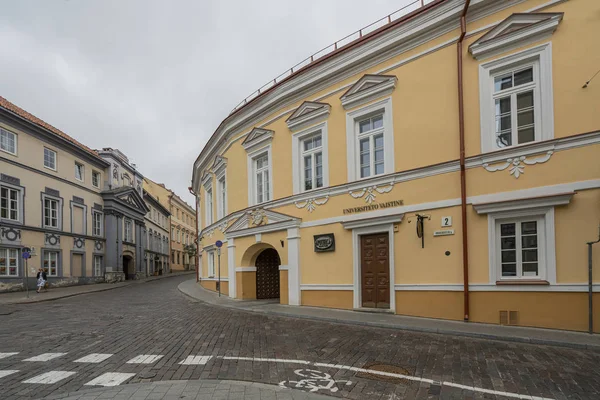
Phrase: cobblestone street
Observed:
(151, 332)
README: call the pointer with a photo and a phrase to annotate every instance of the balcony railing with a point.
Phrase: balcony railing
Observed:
(345, 41)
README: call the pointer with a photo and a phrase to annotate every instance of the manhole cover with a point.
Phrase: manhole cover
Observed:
(147, 375)
(386, 368)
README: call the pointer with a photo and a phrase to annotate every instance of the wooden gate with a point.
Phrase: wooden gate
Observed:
(267, 274)
(375, 270)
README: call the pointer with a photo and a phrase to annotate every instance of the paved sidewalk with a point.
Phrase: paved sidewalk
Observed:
(458, 328)
(69, 291)
(198, 390)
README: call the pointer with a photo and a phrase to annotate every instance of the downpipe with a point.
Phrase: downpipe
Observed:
(590, 286)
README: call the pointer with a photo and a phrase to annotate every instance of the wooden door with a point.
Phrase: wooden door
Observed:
(375, 270)
(77, 266)
(267, 275)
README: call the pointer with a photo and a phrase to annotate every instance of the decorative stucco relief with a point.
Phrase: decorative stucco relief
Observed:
(369, 192)
(257, 217)
(311, 203)
(517, 164)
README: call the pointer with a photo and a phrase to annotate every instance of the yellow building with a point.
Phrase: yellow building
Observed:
(445, 165)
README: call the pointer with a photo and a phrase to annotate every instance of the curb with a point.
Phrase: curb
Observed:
(43, 300)
(486, 336)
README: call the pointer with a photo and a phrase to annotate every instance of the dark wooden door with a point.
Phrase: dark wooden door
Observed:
(375, 270)
(267, 274)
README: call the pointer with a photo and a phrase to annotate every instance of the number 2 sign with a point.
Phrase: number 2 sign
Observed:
(446, 221)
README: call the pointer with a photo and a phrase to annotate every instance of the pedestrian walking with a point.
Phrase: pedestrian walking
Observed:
(41, 279)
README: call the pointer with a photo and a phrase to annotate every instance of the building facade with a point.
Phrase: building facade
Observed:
(157, 237)
(183, 233)
(443, 165)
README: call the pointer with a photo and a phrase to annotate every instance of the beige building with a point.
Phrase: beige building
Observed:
(181, 222)
(157, 237)
(51, 203)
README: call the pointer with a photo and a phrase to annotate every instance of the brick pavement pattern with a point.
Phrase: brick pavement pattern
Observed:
(155, 319)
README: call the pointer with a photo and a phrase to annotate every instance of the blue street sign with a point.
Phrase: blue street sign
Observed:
(218, 243)
(26, 255)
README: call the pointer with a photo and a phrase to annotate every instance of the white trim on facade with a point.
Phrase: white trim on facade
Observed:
(335, 286)
(293, 267)
(489, 287)
(251, 159)
(245, 269)
(297, 165)
(231, 268)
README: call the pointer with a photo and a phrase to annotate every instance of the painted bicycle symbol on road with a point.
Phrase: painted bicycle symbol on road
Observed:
(313, 381)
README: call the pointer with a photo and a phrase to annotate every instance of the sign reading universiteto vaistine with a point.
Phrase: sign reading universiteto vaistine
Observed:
(371, 207)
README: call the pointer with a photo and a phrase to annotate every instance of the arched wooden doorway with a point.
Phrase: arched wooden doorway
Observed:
(128, 267)
(267, 274)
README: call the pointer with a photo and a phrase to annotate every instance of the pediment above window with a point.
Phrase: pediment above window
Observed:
(515, 31)
(368, 88)
(309, 112)
(219, 165)
(128, 196)
(256, 137)
(207, 180)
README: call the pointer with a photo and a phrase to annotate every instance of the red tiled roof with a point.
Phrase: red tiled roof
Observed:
(35, 120)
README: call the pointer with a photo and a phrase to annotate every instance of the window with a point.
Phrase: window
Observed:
(187, 239)
(97, 224)
(50, 159)
(312, 162)
(97, 265)
(222, 197)
(79, 172)
(518, 242)
(172, 233)
(9, 262)
(178, 213)
(96, 179)
(370, 145)
(370, 139)
(9, 203)
(128, 236)
(51, 263)
(178, 258)
(8, 142)
(515, 94)
(172, 257)
(51, 213)
(261, 178)
(178, 236)
(516, 101)
(211, 264)
(209, 206)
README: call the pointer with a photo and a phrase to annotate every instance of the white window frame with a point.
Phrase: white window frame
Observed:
(221, 195)
(78, 164)
(97, 266)
(100, 216)
(96, 173)
(211, 264)
(208, 201)
(540, 57)
(383, 107)
(127, 230)
(6, 134)
(50, 255)
(19, 208)
(5, 253)
(252, 157)
(55, 160)
(59, 211)
(298, 153)
(546, 243)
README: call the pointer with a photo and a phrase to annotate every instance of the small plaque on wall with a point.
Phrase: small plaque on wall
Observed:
(324, 242)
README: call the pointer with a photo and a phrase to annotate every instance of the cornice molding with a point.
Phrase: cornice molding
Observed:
(368, 88)
(309, 112)
(256, 137)
(524, 204)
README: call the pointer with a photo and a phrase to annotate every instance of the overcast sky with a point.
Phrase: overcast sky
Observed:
(155, 78)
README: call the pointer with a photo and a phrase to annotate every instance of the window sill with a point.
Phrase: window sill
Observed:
(523, 282)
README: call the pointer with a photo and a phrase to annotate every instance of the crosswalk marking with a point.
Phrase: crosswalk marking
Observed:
(110, 379)
(45, 357)
(195, 360)
(6, 355)
(93, 358)
(145, 359)
(7, 372)
(51, 377)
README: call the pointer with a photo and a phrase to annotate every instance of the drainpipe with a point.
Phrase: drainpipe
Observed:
(463, 183)
(590, 285)
(196, 237)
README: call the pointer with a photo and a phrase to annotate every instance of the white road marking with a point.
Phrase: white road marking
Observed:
(6, 355)
(93, 358)
(51, 377)
(7, 372)
(45, 357)
(110, 379)
(195, 360)
(145, 359)
(390, 374)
